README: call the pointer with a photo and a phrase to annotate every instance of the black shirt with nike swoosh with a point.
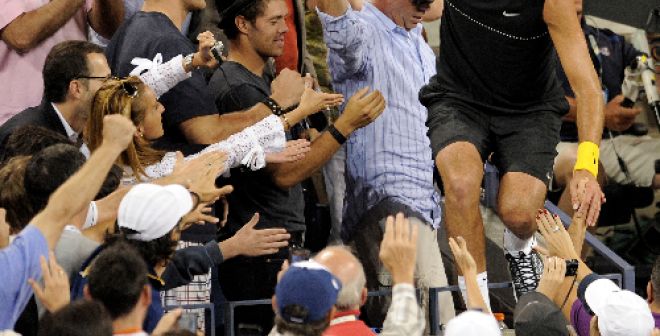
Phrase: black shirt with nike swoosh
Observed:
(496, 55)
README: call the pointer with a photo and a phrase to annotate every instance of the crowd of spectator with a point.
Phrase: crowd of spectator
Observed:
(159, 158)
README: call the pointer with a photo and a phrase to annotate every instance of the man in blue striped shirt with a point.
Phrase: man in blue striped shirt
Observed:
(389, 165)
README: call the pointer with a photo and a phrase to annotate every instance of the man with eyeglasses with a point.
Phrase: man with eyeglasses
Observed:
(30, 28)
(73, 72)
(388, 166)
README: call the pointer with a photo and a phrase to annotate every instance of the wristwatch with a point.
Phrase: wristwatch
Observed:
(188, 62)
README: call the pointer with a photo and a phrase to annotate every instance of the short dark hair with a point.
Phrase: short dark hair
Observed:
(117, 277)
(250, 13)
(307, 329)
(48, 170)
(79, 318)
(13, 197)
(153, 252)
(65, 62)
(655, 279)
(29, 139)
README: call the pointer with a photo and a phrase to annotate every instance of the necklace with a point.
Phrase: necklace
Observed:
(511, 36)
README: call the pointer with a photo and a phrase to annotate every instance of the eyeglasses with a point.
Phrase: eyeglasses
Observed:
(104, 78)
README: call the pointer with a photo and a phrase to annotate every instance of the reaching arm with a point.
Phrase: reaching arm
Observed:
(106, 16)
(30, 28)
(398, 252)
(76, 193)
(468, 267)
(346, 36)
(561, 244)
(360, 111)
(571, 47)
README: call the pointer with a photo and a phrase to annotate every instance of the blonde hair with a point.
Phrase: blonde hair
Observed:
(114, 98)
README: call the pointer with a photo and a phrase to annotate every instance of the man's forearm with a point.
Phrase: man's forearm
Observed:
(590, 118)
(28, 30)
(106, 16)
(286, 175)
(75, 194)
(210, 129)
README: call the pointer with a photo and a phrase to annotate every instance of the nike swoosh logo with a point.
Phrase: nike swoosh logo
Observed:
(505, 13)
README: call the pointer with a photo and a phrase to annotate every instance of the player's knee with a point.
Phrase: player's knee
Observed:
(462, 188)
(519, 221)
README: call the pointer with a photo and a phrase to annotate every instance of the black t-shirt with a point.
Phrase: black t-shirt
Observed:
(145, 35)
(495, 54)
(615, 55)
(235, 88)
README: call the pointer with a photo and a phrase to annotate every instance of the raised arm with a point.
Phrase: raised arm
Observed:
(571, 47)
(398, 252)
(76, 193)
(346, 36)
(106, 16)
(468, 267)
(28, 29)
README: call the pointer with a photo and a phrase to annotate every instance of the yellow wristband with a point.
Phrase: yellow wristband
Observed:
(587, 157)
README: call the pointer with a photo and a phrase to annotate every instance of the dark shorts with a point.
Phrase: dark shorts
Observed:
(524, 142)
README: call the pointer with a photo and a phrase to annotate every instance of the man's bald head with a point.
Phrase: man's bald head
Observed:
(345, 266)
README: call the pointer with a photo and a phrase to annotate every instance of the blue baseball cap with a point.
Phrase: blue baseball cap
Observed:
(306, 292)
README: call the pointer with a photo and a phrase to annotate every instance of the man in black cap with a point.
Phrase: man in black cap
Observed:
(536, 314)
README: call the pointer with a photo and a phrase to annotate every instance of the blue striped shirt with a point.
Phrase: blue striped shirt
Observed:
(391, 158)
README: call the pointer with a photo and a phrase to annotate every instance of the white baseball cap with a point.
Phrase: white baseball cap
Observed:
(153, 210)
(473, 323)
(620, 312)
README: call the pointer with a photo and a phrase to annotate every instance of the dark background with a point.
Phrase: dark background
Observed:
(630, 12)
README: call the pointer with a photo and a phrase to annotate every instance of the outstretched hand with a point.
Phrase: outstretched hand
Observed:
(556, 237)
(200, 215)
(252, 242)
(462, 256)
(314, 101)
(398, 250)
(361, 110)
(295, 150)
(586, 196)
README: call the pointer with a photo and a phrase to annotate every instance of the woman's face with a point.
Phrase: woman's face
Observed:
(152, 125)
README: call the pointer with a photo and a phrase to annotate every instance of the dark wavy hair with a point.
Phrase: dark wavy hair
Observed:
(229, 10)
(153, 252)
(117, 278)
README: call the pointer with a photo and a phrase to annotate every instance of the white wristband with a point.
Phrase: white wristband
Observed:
(92, 215)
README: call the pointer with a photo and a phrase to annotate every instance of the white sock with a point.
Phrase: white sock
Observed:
(514, 244)
(482, 282)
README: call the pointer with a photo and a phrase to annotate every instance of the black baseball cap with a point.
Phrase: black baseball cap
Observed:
(537, 315)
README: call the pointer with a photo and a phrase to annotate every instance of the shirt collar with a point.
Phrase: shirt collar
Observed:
(70, 133)
(387, 22)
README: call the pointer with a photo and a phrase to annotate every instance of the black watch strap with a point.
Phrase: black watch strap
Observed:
(273, 106)
(340, 138)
